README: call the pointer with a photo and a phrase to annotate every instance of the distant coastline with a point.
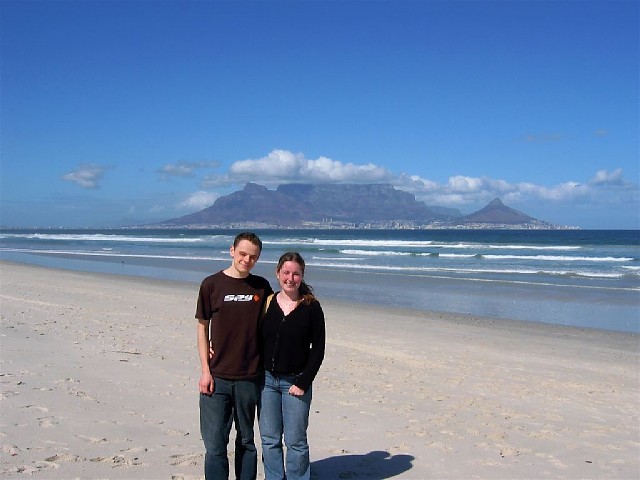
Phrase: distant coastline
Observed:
(387, 225)
(369, 206)
(315, 226)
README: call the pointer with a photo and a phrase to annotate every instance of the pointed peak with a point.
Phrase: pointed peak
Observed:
(498, 213)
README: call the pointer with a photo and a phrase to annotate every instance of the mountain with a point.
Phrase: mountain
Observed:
(497, 213)
(340, 206)
(363, 203)
(297, 204)
(252, 204)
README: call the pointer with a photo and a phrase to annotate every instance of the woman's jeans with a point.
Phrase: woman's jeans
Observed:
(282, 414)
(232, 401)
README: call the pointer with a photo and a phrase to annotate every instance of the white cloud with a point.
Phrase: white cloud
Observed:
(605, 178)
(278, 164)
(562, 192)
(325, 169)
(281, 166)
(199, 200)
(218, 181)
(86, 176)
(184, 169)
(464, 191)
(465, 184)
(458, 191)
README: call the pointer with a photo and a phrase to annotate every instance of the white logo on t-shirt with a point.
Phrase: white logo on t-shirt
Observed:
(238, 298)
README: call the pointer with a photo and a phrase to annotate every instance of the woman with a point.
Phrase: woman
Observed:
(293, 337)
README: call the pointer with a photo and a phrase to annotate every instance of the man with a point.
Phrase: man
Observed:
(228, 310)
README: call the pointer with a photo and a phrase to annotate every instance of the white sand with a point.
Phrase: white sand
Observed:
(99, 380)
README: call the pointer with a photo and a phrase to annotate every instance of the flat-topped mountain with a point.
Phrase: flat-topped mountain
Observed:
(374, 205)
(295, 204)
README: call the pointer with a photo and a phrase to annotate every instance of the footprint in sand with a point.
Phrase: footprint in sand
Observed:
(35, 407)
(11, 450)
(82, 395)
(118, 461)
(135, 449)
(509, 452)
(67, 457)
(92, 439)
(68, 379)
(47, 422)
(186, 460)
(8, 394)
(22, 469)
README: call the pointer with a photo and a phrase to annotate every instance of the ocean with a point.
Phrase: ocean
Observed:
(582, 278)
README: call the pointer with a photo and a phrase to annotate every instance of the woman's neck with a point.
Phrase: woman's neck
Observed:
(293, 297)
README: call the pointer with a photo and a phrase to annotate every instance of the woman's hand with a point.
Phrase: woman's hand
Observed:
(296, 391)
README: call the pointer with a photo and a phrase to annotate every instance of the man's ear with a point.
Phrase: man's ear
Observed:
(231, 250)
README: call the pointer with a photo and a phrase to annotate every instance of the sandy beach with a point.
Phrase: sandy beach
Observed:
(99, 380)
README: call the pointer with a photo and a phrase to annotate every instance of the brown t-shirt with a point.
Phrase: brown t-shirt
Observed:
(233, 305)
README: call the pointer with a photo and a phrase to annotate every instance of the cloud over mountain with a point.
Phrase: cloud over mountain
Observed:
(283, 166)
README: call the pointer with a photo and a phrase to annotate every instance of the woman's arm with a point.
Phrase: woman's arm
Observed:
(316, 353)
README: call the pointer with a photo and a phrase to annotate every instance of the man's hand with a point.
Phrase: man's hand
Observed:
(206, 384)
(205, 352)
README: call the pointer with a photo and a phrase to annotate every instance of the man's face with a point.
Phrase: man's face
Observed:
(245, 256)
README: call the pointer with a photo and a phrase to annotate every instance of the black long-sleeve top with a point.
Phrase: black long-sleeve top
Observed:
(294, 344)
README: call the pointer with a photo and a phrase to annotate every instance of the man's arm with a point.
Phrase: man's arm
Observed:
(206, 380)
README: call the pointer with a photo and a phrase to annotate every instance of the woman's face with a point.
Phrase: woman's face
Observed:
(290, 277)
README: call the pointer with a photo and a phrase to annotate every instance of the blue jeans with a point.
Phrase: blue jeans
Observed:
(282, 414)
(233, 401)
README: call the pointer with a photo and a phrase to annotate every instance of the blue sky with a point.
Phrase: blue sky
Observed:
(118, 113)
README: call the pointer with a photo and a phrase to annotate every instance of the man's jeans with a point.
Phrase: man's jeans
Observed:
(281, 413)
(232, 401)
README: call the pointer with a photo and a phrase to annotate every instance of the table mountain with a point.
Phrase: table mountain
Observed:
(336, 205)
(294, 204)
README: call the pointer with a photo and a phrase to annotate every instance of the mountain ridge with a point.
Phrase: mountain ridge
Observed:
(345, 205)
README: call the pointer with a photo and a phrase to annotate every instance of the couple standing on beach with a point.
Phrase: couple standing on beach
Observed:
(258, 350)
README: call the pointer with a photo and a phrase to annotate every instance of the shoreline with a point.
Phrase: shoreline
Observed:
(99, 380)
(569, 305)
(459, 318)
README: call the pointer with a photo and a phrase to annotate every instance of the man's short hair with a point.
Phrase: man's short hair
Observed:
(249, 236)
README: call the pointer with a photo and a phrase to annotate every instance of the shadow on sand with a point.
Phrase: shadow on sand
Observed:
(373, 466)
